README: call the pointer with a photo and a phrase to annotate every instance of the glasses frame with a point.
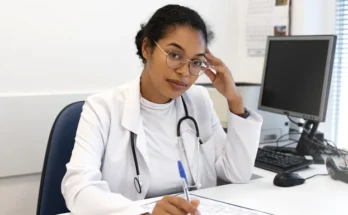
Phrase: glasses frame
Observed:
(184, 62)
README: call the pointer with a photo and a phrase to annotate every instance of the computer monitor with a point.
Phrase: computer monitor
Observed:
(296, 82)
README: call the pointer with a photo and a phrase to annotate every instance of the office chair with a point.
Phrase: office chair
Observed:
(58, 152)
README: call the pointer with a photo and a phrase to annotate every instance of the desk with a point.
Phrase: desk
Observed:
(320, 195)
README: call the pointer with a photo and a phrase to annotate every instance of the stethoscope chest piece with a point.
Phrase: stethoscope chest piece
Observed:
(138, 184)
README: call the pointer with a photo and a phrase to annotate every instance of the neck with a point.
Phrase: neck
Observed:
(148, 91)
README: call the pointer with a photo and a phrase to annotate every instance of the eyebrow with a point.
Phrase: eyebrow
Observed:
(181, 48)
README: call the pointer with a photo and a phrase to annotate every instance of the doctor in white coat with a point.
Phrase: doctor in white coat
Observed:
(104, 169)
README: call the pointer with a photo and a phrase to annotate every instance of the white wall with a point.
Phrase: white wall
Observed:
(87, 45)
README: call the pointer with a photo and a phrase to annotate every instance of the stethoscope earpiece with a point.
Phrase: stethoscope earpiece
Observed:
(199, 185)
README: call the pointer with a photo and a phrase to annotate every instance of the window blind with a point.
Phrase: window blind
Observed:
(339, 85)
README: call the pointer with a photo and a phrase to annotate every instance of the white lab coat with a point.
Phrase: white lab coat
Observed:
(100, 174)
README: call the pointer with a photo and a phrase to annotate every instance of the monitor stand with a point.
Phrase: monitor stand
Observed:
(306, 145)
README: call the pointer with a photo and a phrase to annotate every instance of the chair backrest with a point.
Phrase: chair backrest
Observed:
(58, 153)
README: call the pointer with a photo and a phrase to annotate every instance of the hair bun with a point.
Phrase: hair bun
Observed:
(139, 40)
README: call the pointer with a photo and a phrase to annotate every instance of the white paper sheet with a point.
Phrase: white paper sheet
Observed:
(265, 18)
(208, 207)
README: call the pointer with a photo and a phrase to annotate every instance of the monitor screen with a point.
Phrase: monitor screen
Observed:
(294, 75)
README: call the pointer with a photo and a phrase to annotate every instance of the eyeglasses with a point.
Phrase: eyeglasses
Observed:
(176, 60)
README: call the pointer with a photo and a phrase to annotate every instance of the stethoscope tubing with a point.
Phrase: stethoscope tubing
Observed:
(137, 182)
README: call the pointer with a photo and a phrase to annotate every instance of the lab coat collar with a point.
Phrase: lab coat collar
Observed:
(131, 119)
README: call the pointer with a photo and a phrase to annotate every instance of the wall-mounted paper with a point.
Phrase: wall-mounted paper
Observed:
(265, 18)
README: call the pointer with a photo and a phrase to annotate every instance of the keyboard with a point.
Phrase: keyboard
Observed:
(280, 162)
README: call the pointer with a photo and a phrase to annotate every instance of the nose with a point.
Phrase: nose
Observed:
(184, 70)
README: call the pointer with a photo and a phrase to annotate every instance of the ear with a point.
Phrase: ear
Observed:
(146, 48)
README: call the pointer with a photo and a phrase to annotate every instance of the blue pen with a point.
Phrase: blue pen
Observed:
(184, 181)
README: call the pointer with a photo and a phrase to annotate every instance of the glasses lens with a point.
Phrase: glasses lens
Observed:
(197, 67)
(175, 60)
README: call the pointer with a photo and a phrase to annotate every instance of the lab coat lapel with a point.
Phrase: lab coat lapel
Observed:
(188, 133)
(132, 121)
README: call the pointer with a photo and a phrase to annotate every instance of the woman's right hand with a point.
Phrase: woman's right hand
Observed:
(174, 205)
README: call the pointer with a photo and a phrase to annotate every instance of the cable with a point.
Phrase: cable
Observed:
(288, 144)
(299, 124)
(340, 152)
(320, 144)
(335, 146)
(316, 175)
(332, 148)
(277, 142)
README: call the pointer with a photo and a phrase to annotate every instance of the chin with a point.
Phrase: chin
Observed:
(173, 91)
(173, 94)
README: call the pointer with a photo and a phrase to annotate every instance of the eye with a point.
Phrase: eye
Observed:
(175, 56)
(197, 63)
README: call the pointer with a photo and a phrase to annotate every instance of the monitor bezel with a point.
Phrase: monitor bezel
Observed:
(327, 78)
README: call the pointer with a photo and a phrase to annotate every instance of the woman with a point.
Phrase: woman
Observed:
(102, 174)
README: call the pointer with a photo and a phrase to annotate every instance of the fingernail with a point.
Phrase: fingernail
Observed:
(197, 212)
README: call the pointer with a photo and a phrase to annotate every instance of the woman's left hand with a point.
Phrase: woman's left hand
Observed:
(224, 83)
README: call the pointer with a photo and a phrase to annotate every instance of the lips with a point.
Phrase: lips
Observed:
(177, 82)
(177, 85)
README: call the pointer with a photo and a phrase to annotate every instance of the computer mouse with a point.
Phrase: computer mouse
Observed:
(288, 179)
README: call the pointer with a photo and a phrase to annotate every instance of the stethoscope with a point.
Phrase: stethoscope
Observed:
(138, 183)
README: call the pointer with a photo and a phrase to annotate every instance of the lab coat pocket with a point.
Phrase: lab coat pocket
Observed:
(208, 175)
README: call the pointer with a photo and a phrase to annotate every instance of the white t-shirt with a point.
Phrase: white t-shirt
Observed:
(160, 124)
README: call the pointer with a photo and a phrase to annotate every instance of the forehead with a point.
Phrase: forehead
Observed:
(190, 39)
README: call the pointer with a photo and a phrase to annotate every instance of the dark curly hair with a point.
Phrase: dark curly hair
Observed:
(167, 17)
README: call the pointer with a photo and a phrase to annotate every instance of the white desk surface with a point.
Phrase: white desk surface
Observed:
(320, 195)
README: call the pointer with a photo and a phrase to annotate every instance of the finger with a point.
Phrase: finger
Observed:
(209, 52)
(216, 69)
(164, 207)
(173, 210)
(181, 203)
(210, 75)
(195, 203)
(212, 59)
(159, 213)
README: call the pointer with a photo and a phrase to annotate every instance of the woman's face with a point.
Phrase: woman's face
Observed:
(180, 41)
